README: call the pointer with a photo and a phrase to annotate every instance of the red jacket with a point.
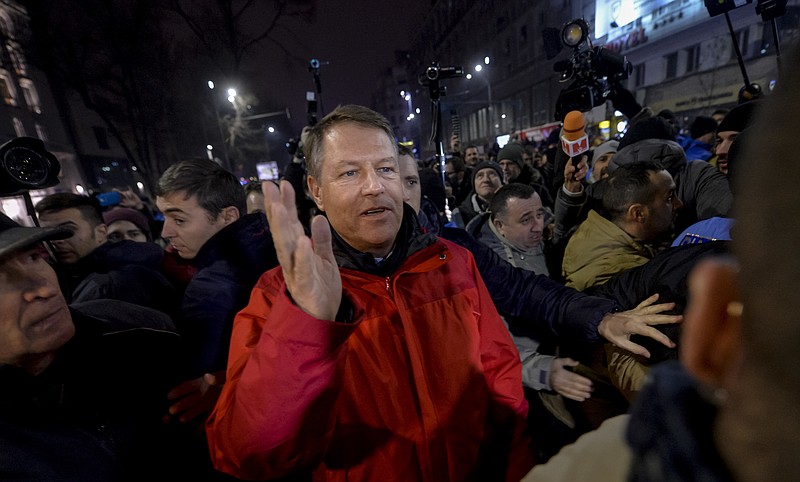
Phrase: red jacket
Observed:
(425, 385)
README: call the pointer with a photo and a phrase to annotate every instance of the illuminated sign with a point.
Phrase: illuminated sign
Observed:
(615, 19)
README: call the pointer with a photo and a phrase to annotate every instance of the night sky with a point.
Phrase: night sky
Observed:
(357, 37)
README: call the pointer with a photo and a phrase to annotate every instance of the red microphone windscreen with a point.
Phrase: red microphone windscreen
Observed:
(574, 125)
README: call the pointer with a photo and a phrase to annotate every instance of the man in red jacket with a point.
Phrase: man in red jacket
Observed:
(375, 351)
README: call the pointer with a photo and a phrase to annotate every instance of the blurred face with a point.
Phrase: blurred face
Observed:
(510, 170)
(600, 167)
(255, 202)
(527, 159)
(359, 187)
(662, 210)
(84, 240)
(471, 156)
(486, 183)
(412, 191)
(453, 177)
(523, 222)
(722, 144)
(34, 321)
(187, 226)
(125, 231)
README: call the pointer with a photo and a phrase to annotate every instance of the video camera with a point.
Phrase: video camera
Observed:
(434, 73)
(592, 70)
(26, 164)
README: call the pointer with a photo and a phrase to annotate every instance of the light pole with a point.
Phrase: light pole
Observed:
(219, 125)
(480, 68)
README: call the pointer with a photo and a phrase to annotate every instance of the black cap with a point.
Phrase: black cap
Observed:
(15, 238)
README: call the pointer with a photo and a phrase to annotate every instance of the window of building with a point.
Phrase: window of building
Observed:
(40, 133)
(672, 65)
(101, 136)
(638, 75)
(7, 88)
(692, 58)
(6, 26)
(31, 96)
(17, 59)
(18, 127)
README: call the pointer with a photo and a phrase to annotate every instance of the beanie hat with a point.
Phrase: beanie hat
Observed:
(738, 118)
(701, 126)
(605, 148)
(648, 128)
(130, 215)
(512, 152)
(486, 165)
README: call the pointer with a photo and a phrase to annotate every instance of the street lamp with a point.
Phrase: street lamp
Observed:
(219, 126)
(485, 78)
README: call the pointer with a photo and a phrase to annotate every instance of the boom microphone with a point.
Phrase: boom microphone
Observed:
(574, 140)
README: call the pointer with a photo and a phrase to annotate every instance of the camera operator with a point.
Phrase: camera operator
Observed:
(295, 173)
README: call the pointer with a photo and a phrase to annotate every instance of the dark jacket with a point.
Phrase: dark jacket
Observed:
(671, 431)
(126, 271)
(551, 309)
(95, 412)
(228, 266)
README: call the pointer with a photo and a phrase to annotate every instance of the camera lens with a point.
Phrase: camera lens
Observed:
(432, 73)
(573, 34)
(26, 166)
(314, 63)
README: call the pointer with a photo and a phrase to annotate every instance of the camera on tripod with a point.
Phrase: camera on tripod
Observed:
(592, 70)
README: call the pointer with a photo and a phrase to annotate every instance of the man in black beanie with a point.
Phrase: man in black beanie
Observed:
(699, 143)
(737, 120)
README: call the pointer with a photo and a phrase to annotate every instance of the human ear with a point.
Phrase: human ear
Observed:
(637, 213)
(315, 191)
(230, 215)
(711, 338)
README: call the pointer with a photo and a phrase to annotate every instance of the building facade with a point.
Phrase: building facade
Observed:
(682, 59)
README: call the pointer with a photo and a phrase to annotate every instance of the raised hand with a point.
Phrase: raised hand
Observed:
(618, 328)
(309, 268)
(573, 178)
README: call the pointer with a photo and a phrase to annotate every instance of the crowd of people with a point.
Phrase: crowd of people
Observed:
(615, 316)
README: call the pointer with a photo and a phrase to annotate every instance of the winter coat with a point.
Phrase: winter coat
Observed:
(228, 266)
(549, 310)
(703, 190)
(127, 271)
(422, 383)
(94, 413)
(598, 250)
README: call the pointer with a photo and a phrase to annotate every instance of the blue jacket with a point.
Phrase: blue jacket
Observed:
(228, 266)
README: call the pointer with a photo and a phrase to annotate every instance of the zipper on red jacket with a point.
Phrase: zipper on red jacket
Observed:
(387, 279)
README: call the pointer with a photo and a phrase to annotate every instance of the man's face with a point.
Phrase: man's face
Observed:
(34, 321)
(600, 167)
(123, 230)
(662, 210)
(471, 156)
(510, 169)
(527, 159)
(187, 226)
(359, 187)
(486, 183)
(84, 239)
(452, 176)
(722, 144)
(523, 222)
(412, 191)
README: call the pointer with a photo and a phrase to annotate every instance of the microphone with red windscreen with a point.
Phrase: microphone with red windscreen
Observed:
(574, 140)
